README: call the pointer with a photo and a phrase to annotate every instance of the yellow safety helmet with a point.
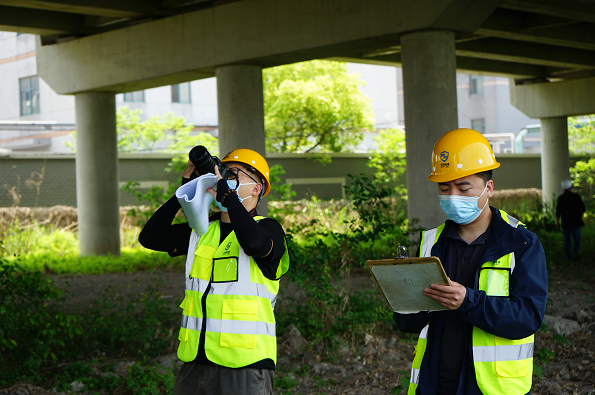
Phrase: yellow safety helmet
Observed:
(251, 159)
(460, 153)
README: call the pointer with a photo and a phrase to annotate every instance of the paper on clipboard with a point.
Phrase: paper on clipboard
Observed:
(402, 282)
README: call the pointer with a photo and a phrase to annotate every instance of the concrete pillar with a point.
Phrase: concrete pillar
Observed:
(97, 174)
(241, 111)
(555, 159)
(430, 105)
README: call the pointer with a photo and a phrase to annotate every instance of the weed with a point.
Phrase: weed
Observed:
(285, 382)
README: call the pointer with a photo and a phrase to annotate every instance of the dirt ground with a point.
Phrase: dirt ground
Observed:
(377, 365)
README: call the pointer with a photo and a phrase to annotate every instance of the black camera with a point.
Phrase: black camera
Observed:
(205, 163)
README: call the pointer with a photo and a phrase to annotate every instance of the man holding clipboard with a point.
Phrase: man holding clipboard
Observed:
(483, 342)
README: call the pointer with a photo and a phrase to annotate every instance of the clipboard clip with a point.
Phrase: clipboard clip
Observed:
(401, 252)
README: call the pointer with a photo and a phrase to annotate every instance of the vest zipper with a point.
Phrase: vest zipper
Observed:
(203, 329)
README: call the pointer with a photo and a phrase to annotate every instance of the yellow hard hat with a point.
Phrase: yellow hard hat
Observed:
(251, 159)
(460, 153)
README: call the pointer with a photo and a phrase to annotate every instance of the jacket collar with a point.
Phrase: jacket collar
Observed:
(503, 240)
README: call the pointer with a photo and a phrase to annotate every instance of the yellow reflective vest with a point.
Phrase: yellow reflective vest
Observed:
(239, 321)
(502, 366)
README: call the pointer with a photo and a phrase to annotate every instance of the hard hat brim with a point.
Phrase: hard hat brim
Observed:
(455, 175)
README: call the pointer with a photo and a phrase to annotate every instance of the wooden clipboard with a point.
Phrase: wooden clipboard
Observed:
(402, 282)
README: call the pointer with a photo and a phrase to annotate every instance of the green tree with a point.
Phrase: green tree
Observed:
(583, 176)
(314, 106)
(581, 134)
(389, 159)
(135, 135)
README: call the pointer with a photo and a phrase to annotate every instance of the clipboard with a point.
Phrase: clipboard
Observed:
(402, 282)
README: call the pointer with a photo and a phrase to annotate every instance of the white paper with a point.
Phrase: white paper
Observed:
(195, 201)
(403, 286)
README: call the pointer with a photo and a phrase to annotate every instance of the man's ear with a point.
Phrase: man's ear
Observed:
(257, 189)
(490, 188)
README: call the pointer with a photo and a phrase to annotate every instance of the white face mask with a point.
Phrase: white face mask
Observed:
(234, 184)
(462, 209)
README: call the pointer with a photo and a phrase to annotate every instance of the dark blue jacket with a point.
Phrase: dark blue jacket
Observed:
(516, 317)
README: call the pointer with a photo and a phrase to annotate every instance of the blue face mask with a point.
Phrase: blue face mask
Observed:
(462, 209)
(235, 184)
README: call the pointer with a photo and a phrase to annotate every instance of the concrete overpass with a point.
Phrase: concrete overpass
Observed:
(94, 49)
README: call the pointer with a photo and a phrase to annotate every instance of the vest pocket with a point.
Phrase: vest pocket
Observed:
(239, 323)
(203, 262)
(186, 305)
(225, 270)
(510, 358)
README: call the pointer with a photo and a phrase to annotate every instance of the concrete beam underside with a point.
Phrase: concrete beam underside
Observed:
(267, 32)
(430, 104)
(97, 174)
(555, 99)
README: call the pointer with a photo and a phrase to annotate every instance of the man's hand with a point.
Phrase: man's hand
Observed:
(189, 171)
(451, 297)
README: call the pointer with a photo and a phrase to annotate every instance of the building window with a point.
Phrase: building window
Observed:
(138, 96)
(475, 84)
(180, 93)
(29, 89)
(479, 125)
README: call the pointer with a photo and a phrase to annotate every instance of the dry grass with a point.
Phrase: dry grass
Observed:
(330, 214)
(58, 217)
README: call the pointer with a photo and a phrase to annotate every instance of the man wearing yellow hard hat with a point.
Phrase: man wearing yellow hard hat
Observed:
(483, 343)
(228, 336)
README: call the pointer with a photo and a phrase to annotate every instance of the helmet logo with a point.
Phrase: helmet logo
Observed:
(444, 156)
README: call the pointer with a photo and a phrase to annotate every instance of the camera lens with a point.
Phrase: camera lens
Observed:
(202, 160)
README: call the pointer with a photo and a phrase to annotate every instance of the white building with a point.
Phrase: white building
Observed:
(34, 118)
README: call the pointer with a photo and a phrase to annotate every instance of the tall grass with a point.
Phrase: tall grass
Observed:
(51, 250)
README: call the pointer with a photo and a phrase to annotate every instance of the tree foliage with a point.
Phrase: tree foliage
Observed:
(581, 134)
(314, 106)
(389, 159)
(168, 134)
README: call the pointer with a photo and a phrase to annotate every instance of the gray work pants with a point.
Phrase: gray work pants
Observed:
(196, 379)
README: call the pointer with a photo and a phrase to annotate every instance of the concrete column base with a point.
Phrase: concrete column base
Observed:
(241, 112)
(97, 174)
(430, 104)
(555, 158)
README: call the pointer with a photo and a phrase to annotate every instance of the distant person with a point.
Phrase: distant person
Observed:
(571, 208)
(483, 343)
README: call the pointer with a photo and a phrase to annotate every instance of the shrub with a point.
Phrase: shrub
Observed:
(33, 328)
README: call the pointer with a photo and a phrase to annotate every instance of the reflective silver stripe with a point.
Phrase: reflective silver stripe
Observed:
(512, 262)
(194, 238)
(196, 284)
(193, 323)
(248, 289)
(414, 376)
(230, 326)
(513, 221)
(424, 332)
(241, 327)
(510, 352)
(243, 267)
(428, 242)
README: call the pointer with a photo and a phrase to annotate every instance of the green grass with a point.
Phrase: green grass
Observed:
(39, 248)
